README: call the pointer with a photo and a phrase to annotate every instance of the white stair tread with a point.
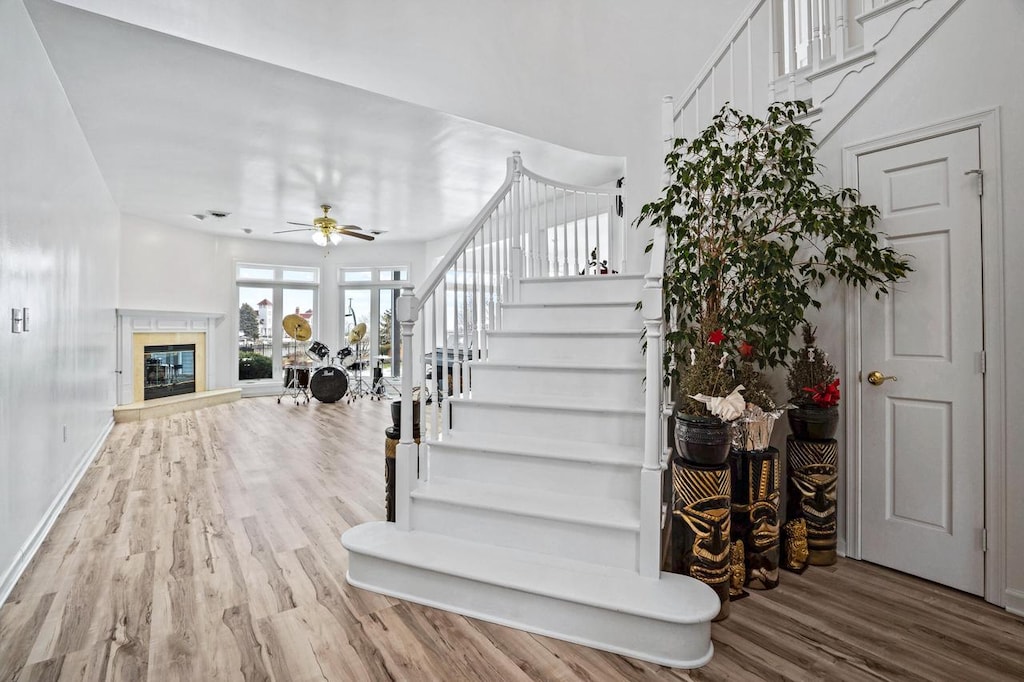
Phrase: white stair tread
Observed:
(515, 364)
(567, 332)
(547, 405)
(551, 448)
(593, 511)
(672, 598)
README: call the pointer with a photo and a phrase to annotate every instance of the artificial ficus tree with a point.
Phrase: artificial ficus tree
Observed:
(752, 234)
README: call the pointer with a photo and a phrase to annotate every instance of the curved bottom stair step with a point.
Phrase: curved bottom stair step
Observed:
(665, 621)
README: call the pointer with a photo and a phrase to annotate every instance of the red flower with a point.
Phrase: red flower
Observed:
(716, 337)
(746, 350)
(824, 396)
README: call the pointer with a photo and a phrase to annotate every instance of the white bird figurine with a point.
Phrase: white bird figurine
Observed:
(728, 408)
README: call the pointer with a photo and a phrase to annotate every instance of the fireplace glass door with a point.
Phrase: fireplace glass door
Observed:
(169, 370)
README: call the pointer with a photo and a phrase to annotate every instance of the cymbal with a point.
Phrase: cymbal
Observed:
(357, 333)
(297, 327)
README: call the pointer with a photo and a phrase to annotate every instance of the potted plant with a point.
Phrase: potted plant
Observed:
(752, 431)
(709, 400)
(751, 235)
(814, 391)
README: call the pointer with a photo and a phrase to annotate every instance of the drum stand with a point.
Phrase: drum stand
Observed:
(360, 387)
(293, 388)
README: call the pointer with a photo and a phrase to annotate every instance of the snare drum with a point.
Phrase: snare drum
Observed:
(329, 384)
(300, 374)
(318, 351)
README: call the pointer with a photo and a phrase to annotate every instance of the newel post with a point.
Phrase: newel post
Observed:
(407, 452)
(516, 238)
(650, 475)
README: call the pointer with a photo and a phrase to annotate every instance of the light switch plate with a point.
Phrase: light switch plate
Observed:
(15, 320)
(24, 319)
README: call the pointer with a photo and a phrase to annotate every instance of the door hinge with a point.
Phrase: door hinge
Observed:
(981, 179)
(984, 539)
(983, 361)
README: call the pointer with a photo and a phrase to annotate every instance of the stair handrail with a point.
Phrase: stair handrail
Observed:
(526, 229)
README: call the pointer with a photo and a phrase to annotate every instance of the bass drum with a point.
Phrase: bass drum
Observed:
(329, 384)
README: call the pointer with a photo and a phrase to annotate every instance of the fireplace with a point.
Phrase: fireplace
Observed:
(149, 342)
(169, 369)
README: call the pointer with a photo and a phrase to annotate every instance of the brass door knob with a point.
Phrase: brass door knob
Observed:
(876, 378)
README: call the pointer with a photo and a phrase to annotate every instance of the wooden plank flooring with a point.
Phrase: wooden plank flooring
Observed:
(205, 546)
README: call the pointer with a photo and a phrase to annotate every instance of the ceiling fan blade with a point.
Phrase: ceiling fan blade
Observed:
(357, 235)
(301, 229)
(289, 222)
(351, 227)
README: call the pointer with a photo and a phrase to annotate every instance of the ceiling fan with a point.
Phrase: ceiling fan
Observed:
(327, 230)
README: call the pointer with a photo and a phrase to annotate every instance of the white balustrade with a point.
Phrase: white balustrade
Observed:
(767, 56)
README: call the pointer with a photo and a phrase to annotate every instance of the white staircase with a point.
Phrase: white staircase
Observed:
(530, 512)
(534, 502)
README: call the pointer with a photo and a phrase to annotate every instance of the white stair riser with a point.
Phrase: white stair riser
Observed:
(557, 318)
(566, 477)
(682, 645)
(579, 349)
(592, 544)
(599, 387)
(594, 427)
(584, 290)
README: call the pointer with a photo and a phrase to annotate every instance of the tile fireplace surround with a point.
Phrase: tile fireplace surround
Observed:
(139, 328)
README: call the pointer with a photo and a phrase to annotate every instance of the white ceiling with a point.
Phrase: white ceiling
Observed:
(178, 128)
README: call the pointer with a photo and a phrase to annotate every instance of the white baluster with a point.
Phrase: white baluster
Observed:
(839, 37)
(565, 234)
(438, 380)
(774, 9)
(576, 233)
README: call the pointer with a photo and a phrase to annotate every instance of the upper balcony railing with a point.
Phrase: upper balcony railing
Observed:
(769, 53)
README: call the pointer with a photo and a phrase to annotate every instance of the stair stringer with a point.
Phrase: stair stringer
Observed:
(838, 93)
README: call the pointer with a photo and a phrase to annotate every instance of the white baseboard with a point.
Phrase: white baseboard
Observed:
(10, 576)
(260, 389)
(1015, 601)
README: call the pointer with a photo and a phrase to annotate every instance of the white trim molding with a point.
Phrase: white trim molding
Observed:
(130, 322)
(1015, 602)
(10, 577)
(987, 123)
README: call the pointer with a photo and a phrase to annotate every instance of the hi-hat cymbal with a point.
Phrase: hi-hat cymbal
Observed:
(357, 333)
(297, 327)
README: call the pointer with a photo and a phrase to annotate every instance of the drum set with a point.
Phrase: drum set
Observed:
(325, 377)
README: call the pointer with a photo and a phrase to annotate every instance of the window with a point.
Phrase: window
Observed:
(368, 296)
(266, 295)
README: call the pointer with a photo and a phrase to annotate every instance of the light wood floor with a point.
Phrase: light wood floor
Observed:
(205, 546)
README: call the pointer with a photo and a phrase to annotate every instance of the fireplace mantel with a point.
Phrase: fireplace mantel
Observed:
(131, 322)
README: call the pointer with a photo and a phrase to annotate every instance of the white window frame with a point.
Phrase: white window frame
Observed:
(277, 284)
(375, 284)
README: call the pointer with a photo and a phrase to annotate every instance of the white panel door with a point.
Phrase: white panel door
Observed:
(922, 434)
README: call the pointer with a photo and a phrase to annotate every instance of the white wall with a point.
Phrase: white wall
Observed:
(972, 62)
(167, 268)
(58, 256)
(586, 74)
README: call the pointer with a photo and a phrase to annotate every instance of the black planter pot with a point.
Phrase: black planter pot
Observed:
(810, 422)
(396, 416)
(702, 440)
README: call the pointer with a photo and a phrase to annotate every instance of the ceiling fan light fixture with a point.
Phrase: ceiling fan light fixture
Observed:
(335, 238)
(319, 238)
